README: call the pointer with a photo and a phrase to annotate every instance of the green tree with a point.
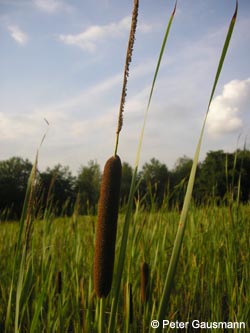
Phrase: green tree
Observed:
(14, 175)
(215, 175)
(179, 180)
(87, 185)
(155, 180)
(58, 188)
(127, 173)
(241, 180)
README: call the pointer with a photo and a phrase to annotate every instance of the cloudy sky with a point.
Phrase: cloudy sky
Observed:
(63, 60)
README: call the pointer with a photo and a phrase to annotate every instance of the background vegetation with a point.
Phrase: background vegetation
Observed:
(221, 176)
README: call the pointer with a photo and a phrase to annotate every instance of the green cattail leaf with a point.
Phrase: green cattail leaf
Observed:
(224, 52)
(161, 54)
(181, 228)
(153, 83)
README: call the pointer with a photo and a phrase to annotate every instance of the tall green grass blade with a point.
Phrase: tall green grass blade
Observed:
(182, 223)
(19, 256)
(122, 253)
(19, 292)
(39, 306)
(24, 239)
(22, 242)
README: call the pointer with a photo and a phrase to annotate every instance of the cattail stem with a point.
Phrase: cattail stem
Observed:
(116, 144)
(101, 323)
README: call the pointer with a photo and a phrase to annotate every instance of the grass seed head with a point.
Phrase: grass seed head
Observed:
(106, 226)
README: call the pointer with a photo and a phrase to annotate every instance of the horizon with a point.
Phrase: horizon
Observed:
(95, 161)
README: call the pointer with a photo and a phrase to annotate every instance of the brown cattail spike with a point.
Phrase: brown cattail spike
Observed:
(144, 282)
(106, 226)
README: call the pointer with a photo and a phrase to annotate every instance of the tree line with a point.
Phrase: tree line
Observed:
(220, 177)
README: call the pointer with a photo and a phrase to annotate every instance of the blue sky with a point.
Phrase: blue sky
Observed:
(63, 60)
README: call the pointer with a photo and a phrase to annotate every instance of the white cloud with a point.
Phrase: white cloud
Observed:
(17, 34)
(87, 40)
(144, 27)
(227, 110)
(51, 6)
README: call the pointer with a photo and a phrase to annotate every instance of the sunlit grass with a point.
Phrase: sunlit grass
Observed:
(212, 278)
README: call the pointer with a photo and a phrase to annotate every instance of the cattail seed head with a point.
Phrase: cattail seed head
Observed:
(145, 272)
(106, 226)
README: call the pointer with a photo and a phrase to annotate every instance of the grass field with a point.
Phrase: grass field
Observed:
(211, 284)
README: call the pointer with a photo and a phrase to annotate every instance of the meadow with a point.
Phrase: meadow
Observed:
(57, 295)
